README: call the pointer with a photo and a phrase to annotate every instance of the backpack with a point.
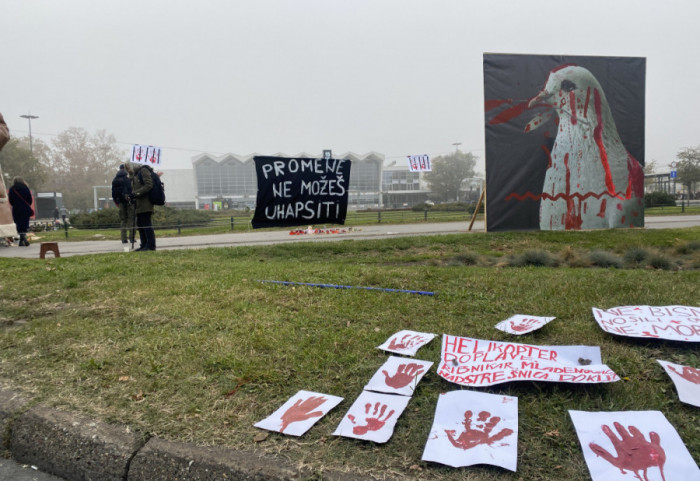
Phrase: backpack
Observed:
(121, 187)
(157, 194)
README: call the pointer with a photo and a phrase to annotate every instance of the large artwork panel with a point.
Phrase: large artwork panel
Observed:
(553, 167)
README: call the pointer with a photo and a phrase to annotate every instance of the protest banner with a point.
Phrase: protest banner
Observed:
(476, 362)
(406, 342)
(299, 413)
(686, 379)
(675, 323)
(301, 191)
(146, 154)
(372, 417)
(398, 375)
(419, 163)
(520, 324)
(474, 428)
(628, 445)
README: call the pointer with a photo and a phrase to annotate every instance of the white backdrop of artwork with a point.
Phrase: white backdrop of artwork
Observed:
(675, 323)
(299, 413)
(474, 428)
(633, 445)
(520, 324)
(406, 343)
(372, 417)
(398, 375)
(686, 379)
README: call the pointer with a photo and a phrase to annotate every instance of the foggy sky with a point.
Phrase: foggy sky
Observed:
(397, 77)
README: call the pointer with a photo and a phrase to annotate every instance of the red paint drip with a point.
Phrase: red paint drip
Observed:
(509, 114)
(588, 97)
(603, 203)
(573, 219)
(563, 66)
(492, 104)
(635, 178)
(549, 155)
(598, 136)
(572, 104)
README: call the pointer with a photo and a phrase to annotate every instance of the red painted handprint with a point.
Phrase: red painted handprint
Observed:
(405, 374)
(302, 410)
(689, 374)
(634, 453)
(407, 341)
(480, 433)
(523, 325)
(374, 423)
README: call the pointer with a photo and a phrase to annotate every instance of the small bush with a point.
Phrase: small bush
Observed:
(466, 259)
(601, 258)
(636, 256)
(688, 248)
(656, 199)
(661, 262)
(534, 257)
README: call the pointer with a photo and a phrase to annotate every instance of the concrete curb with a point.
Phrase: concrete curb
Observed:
(78, 449)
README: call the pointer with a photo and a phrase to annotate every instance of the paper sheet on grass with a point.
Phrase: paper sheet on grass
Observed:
(406, 342)
(372, 417)
(474, 428)
(675, 323)
(299, 413)
(686, 379)
(633, 445)
(398, 375)
(520, 324)
(475, 362)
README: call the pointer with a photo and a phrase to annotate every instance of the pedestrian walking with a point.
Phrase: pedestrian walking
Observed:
(21, 200)
(8, 230)
(142, 183)
(121, 190)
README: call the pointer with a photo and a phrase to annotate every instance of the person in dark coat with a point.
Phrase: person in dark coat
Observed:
(20, 198)
(142, 183)
(121, 189)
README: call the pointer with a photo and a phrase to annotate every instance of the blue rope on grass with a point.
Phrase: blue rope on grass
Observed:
(336, 286)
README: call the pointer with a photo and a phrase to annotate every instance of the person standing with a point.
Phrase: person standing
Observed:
(121, 189)
(8, 230)
(142, 183)
(21, 200)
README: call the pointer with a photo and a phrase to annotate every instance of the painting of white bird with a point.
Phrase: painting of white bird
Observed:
(591, 181)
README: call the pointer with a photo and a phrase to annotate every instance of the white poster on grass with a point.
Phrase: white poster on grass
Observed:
(474, 428)
(633, 446)
(372, 417)
(520, 324)
(406, 343)
(686, 379)
(675, 323)
(398, 375)
(476, 362)
(299, 413)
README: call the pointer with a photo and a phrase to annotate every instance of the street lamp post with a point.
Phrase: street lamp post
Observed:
(457, 144)
(29, 118)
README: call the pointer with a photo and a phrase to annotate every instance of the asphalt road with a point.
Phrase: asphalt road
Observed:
(265, 237)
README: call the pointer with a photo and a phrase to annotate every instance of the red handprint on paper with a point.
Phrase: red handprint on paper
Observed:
(479, 433)
(301, 411)
(523, 325)
(407, 341)
(373, 423)
(689, 374)
(634, 453)
(404, 375)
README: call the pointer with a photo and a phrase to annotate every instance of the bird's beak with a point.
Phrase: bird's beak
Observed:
(541, 97)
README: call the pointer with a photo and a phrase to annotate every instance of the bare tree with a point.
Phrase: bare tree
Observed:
(688, 168)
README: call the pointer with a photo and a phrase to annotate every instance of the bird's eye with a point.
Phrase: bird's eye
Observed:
(568, 86)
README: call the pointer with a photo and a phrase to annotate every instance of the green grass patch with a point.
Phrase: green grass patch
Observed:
(187, 345)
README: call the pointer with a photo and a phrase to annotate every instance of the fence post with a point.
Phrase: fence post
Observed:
(179, 227)
(231, 222)
(65, 226)
(425, 214)
(379, 217)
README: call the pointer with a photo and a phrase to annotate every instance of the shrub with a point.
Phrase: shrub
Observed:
(661, 262)
(466, 259)
(688, 248)
(655, 199)
(636, 256)
(162, 216)
(534, 257)
(601, 258)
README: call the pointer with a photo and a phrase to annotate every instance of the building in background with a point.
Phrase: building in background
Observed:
(402, 188)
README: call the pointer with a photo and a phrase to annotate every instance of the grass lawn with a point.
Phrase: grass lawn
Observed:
(190, 346)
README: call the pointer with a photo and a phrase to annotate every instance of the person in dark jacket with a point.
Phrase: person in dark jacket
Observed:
(142, 183)
(20, 198)
(121, 189)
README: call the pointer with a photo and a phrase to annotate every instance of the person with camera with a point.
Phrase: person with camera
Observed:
(141, 184)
